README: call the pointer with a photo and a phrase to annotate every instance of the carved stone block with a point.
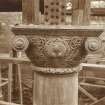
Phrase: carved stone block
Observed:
(56, 46)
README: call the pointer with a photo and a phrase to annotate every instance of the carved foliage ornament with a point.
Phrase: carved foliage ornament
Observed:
(56, 52)
(57, 47)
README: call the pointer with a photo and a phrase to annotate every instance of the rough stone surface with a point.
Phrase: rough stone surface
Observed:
(6, 20)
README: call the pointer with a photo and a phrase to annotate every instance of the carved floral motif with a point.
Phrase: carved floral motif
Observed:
(19, 43)
(56, 52)
(54, 47)
(93, 44)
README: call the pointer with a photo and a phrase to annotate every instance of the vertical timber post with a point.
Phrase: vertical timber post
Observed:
(30, 15)
(0, 71)
(30, 9)
(81, 12)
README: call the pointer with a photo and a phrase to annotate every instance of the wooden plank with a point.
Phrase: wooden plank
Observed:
(86, 12)
(30, 10)
(4, 83)
(14, 60)
(10, 81)
(1, 83)
(100, 66)
(80, 12)
(77, 14)
(93, 12)
(7, 103)
(92, 85)
(91, 78)
(99, 102)
(19, 55)
(87, 94)
(98, 11)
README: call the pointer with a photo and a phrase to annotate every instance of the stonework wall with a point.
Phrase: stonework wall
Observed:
(6, 20)
(11, 17)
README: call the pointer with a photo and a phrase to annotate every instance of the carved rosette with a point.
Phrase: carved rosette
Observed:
(20, 43)
(93, 45)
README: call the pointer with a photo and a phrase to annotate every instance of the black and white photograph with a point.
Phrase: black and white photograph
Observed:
(52, 52)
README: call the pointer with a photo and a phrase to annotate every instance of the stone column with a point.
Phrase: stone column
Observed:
(54, 89)
(55, 50)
